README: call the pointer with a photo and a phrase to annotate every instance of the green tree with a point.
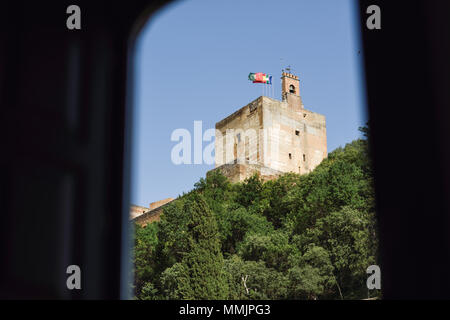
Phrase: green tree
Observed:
(272, 248)
(311, 275)
(235, 224)
(249, 192)
(172, 235)
(149, 292)
(144, 261)
(200, 273)
(216, 189)
(254, 280)
(295, 237)
(274, 192)
(345, 235)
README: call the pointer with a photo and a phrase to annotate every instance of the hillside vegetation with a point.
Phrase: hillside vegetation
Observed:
(297, 237)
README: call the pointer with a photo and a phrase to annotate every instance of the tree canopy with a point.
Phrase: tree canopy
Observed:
(306, 236)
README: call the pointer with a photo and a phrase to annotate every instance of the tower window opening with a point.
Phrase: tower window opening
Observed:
(238, 137)
(291, 89)
(290, 155)
(297, 132)
(304, 157)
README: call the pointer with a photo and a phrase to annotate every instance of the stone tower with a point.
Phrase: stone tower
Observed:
(271, 137)
(290, 91)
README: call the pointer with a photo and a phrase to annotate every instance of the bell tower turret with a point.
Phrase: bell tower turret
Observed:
(290, 90)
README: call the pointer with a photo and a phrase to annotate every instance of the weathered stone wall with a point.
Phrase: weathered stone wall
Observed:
(145, 215)
(136, 211)
(239, 172)
(151, 216)
(296, 139)
(237, 136)
(159, 203)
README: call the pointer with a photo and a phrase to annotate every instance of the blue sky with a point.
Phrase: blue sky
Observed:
(192, 63)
